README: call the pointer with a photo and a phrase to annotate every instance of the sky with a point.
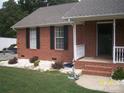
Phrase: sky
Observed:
(1, 2)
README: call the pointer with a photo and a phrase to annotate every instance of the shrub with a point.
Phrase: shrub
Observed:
(33, 59)
(57, 65)
(13, 61)
(118, 74)
(36, 63)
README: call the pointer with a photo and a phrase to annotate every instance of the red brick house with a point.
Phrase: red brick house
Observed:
(91, 32)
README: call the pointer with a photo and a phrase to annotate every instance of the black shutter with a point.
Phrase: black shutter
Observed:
(66, 37)
(38, 37)
(27, 38)
(52, 37)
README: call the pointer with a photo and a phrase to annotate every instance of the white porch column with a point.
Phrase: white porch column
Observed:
(114, 39)
(74, 43)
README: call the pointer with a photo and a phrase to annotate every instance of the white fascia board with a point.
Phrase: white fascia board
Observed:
(42, 25)
(98, 15)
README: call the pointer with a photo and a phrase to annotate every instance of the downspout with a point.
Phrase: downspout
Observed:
(114, 37)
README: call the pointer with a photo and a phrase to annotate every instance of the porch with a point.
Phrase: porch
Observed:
(89, 47)
(96, 59)
(99, 46)
(101, 66)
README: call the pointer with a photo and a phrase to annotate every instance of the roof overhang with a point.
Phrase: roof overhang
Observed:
(43, 25)
(96, 17)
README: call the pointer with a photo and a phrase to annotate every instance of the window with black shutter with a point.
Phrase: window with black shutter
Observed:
(61, 37)
(33, 38)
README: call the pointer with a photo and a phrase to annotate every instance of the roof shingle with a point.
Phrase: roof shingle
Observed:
(53, 15)
(45, 16)
(96, 8)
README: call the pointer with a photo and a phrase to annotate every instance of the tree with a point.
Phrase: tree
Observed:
(56, 2)
(9, 15)
(31, 5)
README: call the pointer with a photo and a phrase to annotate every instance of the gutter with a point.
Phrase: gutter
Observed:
(41, 25)
(90, 16)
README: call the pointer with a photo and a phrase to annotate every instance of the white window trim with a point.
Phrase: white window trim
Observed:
(31, 46)
(57, 37)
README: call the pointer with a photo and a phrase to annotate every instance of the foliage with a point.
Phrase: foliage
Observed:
(9, 15)
(56, 2)
(36, 63)
(33, 59)
(57, 65)
(118, 74)
(14, 80)
(30, 5)
(13, 61)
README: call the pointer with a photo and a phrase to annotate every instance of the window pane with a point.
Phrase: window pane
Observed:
(33, 38)
(60, 43)
(59, 36)
(59, 32)
(62, 32)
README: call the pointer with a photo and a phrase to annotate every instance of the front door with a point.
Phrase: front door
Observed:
(105, 32)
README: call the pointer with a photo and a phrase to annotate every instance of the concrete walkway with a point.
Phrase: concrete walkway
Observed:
(101, 83)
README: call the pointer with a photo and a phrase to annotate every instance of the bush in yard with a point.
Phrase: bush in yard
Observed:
(13, 61)
(33, 59)
(57, 65)
(36, 63)
(118, 74)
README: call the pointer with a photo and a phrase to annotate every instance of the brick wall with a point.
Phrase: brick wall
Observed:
(86, 34)
(120, 33)
(44, 53)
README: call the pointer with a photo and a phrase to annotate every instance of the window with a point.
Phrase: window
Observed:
(33, 38)
(59, 37)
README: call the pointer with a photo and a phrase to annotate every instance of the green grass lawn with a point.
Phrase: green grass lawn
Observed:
(14, 80)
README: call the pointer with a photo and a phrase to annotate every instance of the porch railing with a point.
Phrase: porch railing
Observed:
(119, 54)
(80, 51)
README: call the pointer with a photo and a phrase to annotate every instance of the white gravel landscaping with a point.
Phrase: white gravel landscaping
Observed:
(43, 66)
(24, 63)
(69, 70)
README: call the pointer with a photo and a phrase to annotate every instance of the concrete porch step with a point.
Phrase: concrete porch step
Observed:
(95, 72)
(98, 68)
(101, 69)
(98, 64)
